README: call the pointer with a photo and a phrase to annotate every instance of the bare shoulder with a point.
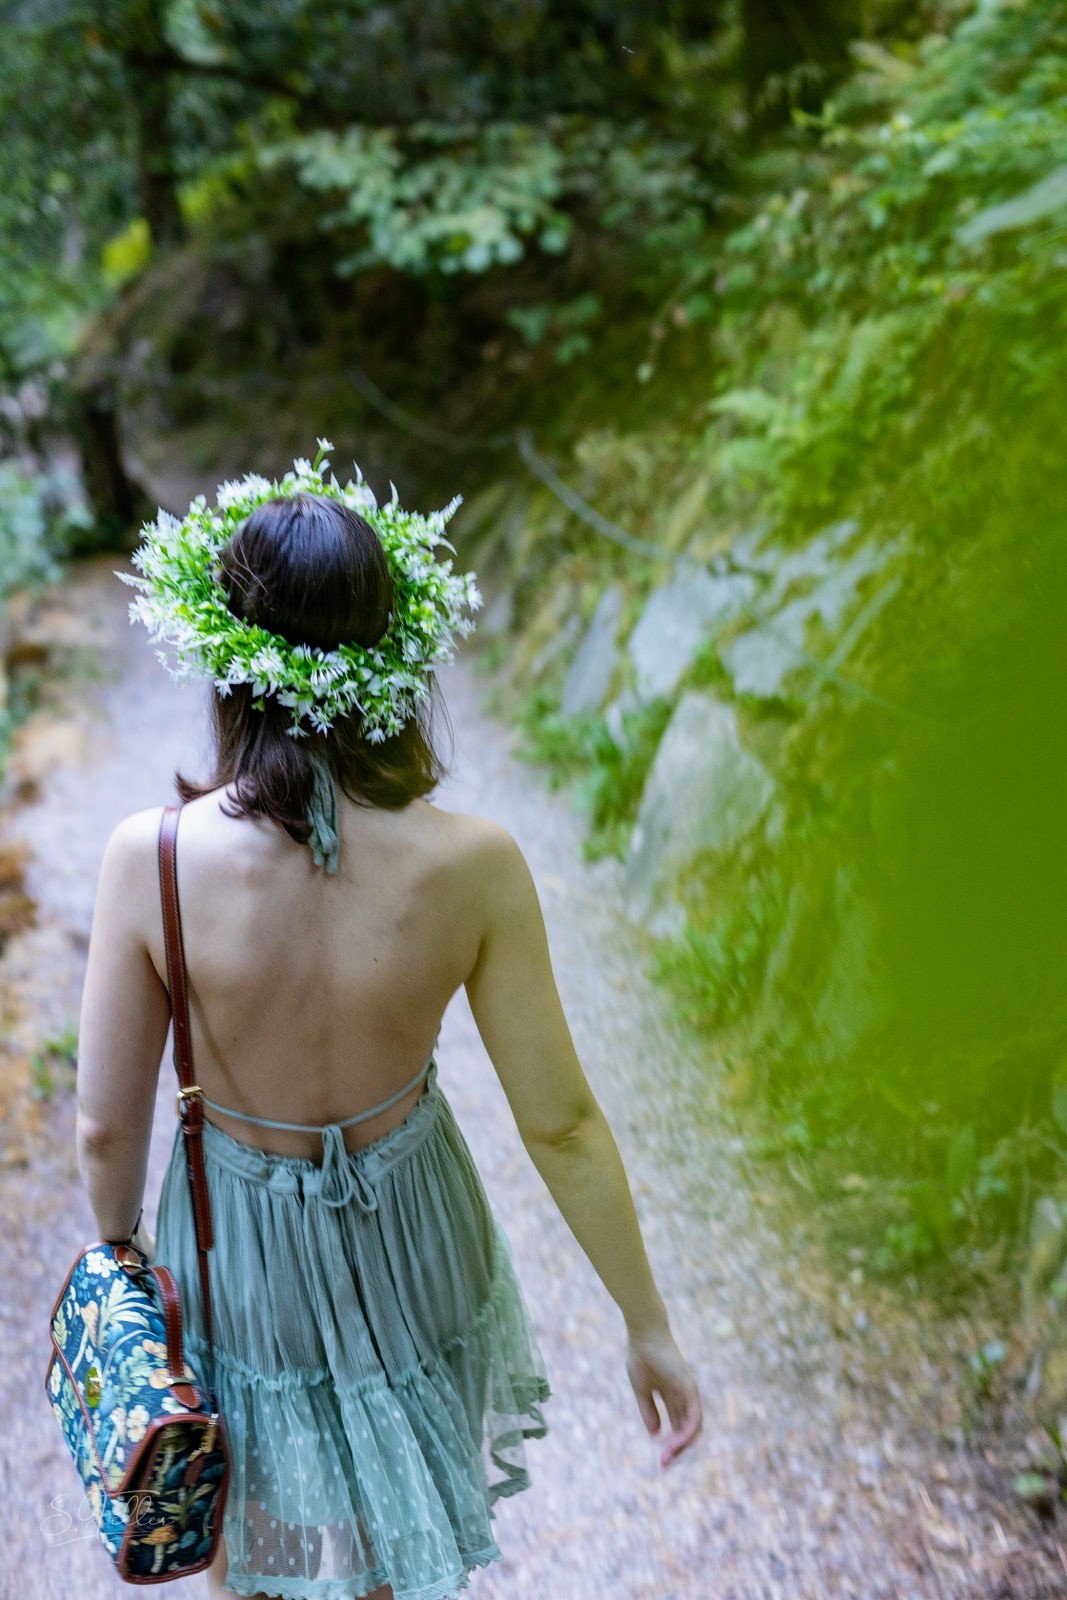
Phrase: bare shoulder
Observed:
(130, 864)
(128, 883)
(493, 871)
(135, 839)
(485, 850)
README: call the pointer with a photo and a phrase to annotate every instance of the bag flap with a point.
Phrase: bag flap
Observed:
(109, 1332)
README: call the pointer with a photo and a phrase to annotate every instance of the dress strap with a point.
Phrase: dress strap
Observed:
(362, 1116)
(317, 1127)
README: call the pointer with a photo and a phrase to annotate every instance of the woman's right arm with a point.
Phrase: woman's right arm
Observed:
(517, 1008)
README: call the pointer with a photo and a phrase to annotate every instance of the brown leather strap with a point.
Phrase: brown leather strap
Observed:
(129, 1257)
(190, 1095)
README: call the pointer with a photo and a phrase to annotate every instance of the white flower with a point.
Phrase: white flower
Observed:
(229, 494)
(136, 1423)
(361, 498)
(242, 493)
(324, 444)
(55, 1378)
(325, 676)
(98, 1263)
(268, 662)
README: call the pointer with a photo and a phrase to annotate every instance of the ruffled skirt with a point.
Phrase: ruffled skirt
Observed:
(376, 1367)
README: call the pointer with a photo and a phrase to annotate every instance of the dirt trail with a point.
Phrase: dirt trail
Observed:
(828, 1469)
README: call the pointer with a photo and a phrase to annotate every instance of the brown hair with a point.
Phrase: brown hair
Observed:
(310, 568)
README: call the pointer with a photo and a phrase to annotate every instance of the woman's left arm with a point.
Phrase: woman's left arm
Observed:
(125, 1014)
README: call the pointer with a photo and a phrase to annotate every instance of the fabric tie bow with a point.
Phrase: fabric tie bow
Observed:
(342, 1179)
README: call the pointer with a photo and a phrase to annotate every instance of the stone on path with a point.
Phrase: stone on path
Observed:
(815, 559)
(705, 792)
(677, 618)
(761, 660)
(749, 551)
(594, 664)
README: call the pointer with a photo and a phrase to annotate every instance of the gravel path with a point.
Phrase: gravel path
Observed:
(824, 1472)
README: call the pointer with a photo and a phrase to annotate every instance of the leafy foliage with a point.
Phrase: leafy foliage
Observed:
(608, 775)
(714, 970)
(570, 322)
(893, 245)
(878, 331)
(452, 198)
(37, 514)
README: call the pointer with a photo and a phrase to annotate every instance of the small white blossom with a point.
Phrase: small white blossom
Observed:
(268, 662)
(326, 675)
(136, 1423)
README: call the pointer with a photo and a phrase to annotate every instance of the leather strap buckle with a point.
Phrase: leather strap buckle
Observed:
(194, 1092)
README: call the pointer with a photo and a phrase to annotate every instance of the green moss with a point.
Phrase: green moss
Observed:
(606, 779)
(714, 970)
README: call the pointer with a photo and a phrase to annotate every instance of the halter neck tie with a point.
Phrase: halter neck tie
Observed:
(322, 814)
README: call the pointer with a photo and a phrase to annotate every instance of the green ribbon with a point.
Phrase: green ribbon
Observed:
(322, 814)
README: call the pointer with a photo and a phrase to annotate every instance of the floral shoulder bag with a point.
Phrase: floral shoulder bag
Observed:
(142, 1427)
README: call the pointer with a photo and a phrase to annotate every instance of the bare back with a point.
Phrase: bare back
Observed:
(314, 997)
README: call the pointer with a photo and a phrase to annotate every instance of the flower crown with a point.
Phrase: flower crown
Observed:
(183, 604)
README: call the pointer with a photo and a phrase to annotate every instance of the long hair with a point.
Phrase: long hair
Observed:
(313, 570)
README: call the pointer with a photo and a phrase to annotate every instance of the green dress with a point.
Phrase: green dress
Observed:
(376, 1367)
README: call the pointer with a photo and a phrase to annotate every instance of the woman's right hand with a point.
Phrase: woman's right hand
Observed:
(145, 1242)
(655, 1365)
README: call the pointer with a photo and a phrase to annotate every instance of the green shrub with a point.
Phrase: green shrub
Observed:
(714, 971)
(607, 777)
(37, 513)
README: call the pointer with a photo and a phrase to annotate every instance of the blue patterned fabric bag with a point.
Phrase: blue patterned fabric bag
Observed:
(149, 1446)
(144, 1431)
